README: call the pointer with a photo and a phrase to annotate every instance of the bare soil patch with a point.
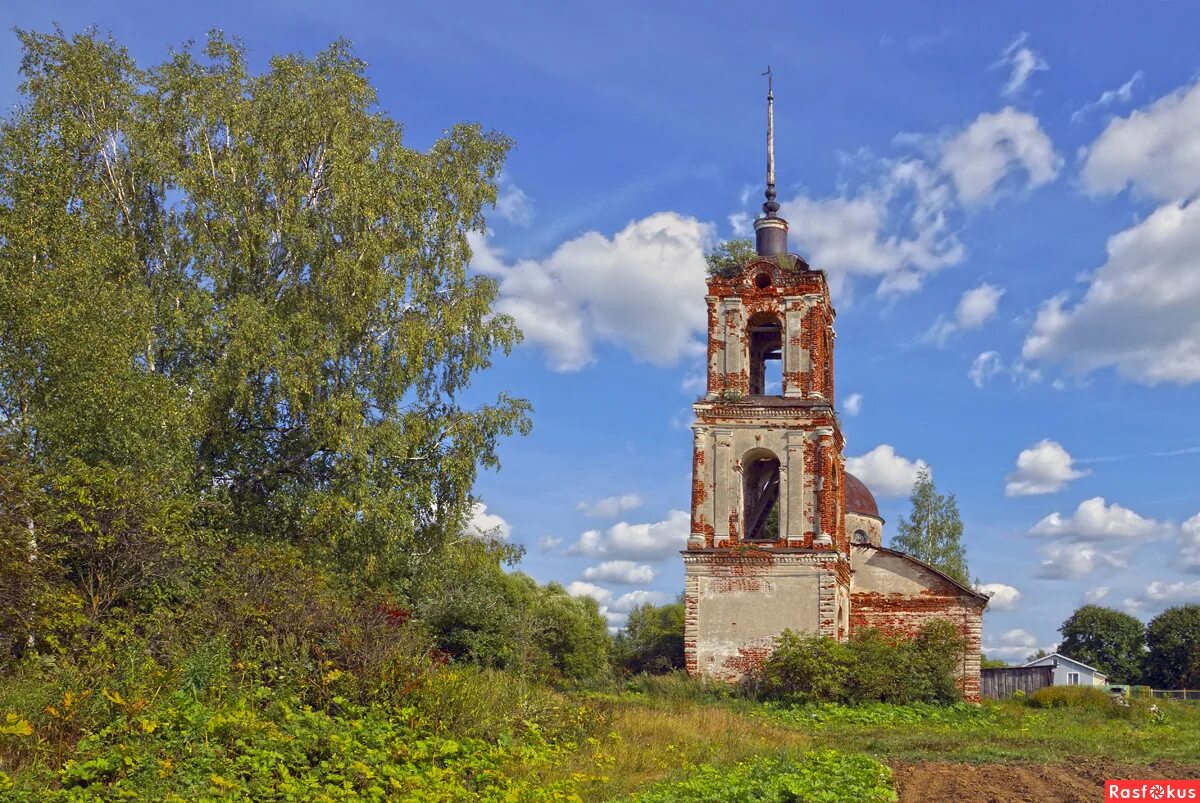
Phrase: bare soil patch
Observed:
(1081, 780)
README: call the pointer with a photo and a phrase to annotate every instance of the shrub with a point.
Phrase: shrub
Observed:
(1070, 697)
(872, 666)
(652, 640)
(679, 686)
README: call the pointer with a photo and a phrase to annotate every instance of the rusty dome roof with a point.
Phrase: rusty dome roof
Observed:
(859, 498)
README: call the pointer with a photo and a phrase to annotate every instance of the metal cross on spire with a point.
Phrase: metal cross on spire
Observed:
(771, 206)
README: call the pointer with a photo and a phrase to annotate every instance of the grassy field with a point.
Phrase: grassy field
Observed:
(482, 735)
(671, 735)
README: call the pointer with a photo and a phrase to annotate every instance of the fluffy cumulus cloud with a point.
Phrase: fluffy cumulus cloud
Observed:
(549, 542)
(624, 572)
(1093, 595)
(885, 472)
(1095, 520)
(896, 229)
(1012, 645)
(1154, 150)
(1021, 62)
(976, 307)
(994, 147)
(612, 607)
(1097, 536)
(636, 289)
(1043, 468)
(1189, 548)
(610, 505)
(1002, 597)
(1138, 314)
(1066, 560)
(853, 404)
(483, 524)
(1174, 593)
(650, 541)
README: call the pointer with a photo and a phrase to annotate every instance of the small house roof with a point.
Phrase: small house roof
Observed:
(1044, 658)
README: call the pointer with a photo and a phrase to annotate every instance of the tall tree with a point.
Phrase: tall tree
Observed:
(246, 289)
(1173, 639)
(1111, 641)
(933, 532)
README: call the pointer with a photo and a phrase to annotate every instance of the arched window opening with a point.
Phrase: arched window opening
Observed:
(761, 516)
(766, 355)
(860, 537)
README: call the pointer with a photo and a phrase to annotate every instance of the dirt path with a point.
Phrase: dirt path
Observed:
(1080, 780)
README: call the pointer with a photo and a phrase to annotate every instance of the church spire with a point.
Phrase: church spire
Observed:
(770, 232)
(771, 206)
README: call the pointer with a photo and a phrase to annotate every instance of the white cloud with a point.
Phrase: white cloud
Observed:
(487, 525)
(1021, 62)
(637, 290)
(895, 228)
(610, 505)
(995, 146)
(1094, 595)
(975, 308)
(1003, 597)
(1138, 314)
(1070, 561)
(625, 572)
(513, 204)
(1174, 593)
(1109, 97)
(1096, 520)
(694, 383)
(984, 368)
(1155, 150)
(1012, 645)
(646, 541)
(853, 404)
(1043, 468)
(548, 542)
(578, 588)
(627, 602)
(1189, 551)
(885, 472)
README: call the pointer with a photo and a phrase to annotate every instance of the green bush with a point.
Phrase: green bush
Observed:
(822, 777)
(872, 666)
(1070, 697)
(652, 639)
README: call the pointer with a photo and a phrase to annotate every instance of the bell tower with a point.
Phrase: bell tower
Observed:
(767, 550)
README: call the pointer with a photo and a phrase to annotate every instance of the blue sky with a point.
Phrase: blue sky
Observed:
(1001, 196)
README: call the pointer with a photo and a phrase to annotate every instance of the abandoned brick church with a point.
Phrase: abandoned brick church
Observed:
(782, 537)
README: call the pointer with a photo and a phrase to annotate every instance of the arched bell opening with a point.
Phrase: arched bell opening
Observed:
(760, 494)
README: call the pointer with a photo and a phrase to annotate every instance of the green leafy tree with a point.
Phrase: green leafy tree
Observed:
(652, 639)
(1173, 639)
(934, 530)
(991, 663)
(246, 290)
(729, 257)
(1111, 641)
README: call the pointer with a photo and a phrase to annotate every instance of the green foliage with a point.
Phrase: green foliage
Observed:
(1110, 640)
(991, 663)
(476, 611)
(244, 289)
(870, 667)
(1070, 697)
(826, 776)
(729, 257)
(934, 530)
(882, 715)
(679, 686)
(1173, 639)
(652, 639)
